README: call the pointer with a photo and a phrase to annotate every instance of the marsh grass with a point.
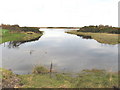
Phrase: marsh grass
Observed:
(105, 38)
(96, 79)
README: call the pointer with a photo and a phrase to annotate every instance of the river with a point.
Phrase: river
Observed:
(67, 52)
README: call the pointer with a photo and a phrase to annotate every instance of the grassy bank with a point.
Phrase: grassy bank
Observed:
(7, 35)
(105, 38)
(85, 79)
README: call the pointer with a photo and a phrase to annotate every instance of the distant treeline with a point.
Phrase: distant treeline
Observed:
(17, 28)
(62, 27)
(100, 29)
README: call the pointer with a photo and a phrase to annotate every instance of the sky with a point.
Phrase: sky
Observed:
(59, 13)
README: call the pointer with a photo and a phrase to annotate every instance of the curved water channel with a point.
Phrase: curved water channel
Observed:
(67, 52)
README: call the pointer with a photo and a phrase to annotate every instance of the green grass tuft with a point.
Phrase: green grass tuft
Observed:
(39, 69)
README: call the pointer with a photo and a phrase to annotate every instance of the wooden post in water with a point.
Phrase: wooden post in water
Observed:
(51, 69)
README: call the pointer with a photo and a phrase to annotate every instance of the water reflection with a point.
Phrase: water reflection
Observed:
(16, 44)
(85, 37)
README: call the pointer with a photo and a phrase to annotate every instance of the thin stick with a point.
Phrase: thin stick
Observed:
(51, 69)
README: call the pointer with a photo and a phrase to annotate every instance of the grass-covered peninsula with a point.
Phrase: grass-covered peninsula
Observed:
(41, 78)
(102, 34)
(16, 33)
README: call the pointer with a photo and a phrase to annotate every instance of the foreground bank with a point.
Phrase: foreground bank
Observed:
(44, 79)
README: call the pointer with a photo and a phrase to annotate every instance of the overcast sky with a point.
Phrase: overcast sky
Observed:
(62, 13)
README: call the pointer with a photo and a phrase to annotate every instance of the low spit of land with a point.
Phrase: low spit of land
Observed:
(105, 38)
(102, 34)
(16, 33)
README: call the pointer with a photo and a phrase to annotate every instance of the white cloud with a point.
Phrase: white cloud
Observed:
(59, 12)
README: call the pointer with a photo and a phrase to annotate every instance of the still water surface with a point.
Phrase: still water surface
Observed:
(67, 52)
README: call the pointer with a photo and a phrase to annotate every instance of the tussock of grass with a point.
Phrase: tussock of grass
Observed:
(39, 69)
(105, 38)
